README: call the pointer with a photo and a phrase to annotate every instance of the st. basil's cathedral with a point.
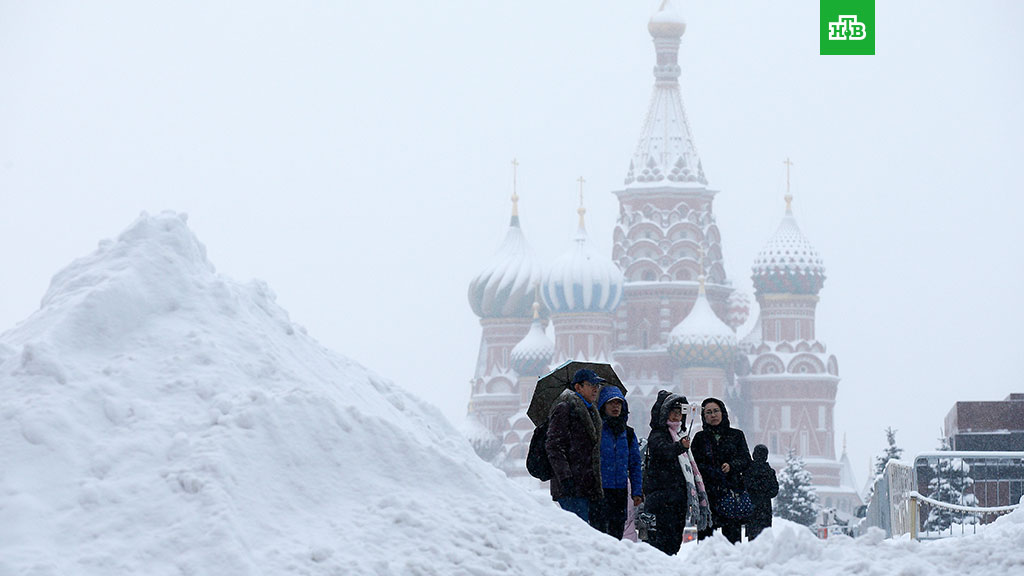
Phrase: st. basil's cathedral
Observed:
(661, 310)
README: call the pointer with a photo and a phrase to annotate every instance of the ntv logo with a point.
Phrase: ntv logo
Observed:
(847, 28)
(842, 20)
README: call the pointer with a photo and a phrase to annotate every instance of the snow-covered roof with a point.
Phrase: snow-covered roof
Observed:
(702, 338)
(505, 287)
(531, 356)
(788, 263)
(582, 279)
(666, 153)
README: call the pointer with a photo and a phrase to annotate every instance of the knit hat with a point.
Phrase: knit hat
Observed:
(760, 453)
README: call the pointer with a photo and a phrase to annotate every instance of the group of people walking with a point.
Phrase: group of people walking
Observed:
(598, 469)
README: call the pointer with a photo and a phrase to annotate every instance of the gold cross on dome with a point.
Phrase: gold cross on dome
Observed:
(581, 210)
(788, 163)
(515, 167)
(789, 196)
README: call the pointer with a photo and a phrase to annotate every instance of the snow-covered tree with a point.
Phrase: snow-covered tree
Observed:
(892, 452)
(950, 483)
(797, 499)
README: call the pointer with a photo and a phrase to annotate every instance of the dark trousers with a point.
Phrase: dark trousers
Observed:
(609, 514)
(578, 506)
(731, 530)
(754, 529)
(669, 522)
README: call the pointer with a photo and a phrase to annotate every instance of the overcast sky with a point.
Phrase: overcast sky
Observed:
(357, 157)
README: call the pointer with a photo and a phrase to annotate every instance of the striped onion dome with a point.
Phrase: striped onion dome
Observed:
(702, 339)
(532, 355)
(582, 279)
(788, 264)
(505, 288)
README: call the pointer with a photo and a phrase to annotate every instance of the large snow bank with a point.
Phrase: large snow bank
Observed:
(157, 418)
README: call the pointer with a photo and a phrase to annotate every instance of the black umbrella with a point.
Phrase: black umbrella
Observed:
(550, 386)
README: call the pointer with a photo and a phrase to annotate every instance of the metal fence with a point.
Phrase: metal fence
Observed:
(888, 508)
(959, 490)
(989, 484)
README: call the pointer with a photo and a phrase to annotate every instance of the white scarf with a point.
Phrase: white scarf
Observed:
(684, 458)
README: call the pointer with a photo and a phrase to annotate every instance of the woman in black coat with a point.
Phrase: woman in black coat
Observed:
(664, 484)
(722, 456)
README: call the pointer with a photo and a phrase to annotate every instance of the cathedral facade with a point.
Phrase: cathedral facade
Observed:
(661, 310)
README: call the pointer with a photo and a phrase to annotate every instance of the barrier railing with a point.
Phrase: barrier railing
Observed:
(963, 488)
(985, 485)
(915, 504)
(888, 508)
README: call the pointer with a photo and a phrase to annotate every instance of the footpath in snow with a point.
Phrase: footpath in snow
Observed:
(157, 418)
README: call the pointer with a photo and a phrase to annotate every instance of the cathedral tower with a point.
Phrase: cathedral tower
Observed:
(666, 230)
(502, 295)
(786, 376)
(582, 289)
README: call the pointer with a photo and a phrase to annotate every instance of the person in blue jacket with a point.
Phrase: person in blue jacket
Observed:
(620, 464)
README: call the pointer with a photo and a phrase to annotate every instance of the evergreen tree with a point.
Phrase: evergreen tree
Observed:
(892, 452)
(797, 499)
(949, 483)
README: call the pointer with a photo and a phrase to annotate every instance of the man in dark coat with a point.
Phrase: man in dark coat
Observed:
(722, 456)
(574, 445)
(762, 485)
(620, 464)
(665, 484)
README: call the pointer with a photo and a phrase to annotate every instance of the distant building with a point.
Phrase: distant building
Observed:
(661, 309)
(987, 426)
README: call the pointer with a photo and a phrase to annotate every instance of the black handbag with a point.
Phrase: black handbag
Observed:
(735, 504)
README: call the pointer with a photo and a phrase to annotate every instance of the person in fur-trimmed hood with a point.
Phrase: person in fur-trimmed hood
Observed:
(722, 455)
(574, 445)
(665, 483)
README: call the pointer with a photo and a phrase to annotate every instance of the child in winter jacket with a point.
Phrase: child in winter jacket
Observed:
(762, 485)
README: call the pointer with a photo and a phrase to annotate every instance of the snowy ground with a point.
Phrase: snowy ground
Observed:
(157, 418)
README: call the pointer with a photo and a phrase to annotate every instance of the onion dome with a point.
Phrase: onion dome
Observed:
(582, 279)
(666, 23)
(739, 309)
(788, 264)
(505, 288)
(532, 355)
(484, 442)
(702, 339)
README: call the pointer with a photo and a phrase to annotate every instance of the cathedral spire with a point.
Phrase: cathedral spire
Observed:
(515, 195)
(582, 209)
(666, 154)
(789, 195)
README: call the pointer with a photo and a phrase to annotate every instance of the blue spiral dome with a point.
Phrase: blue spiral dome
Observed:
(582, 280)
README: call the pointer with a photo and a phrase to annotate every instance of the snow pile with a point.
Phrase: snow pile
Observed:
(157, 418)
